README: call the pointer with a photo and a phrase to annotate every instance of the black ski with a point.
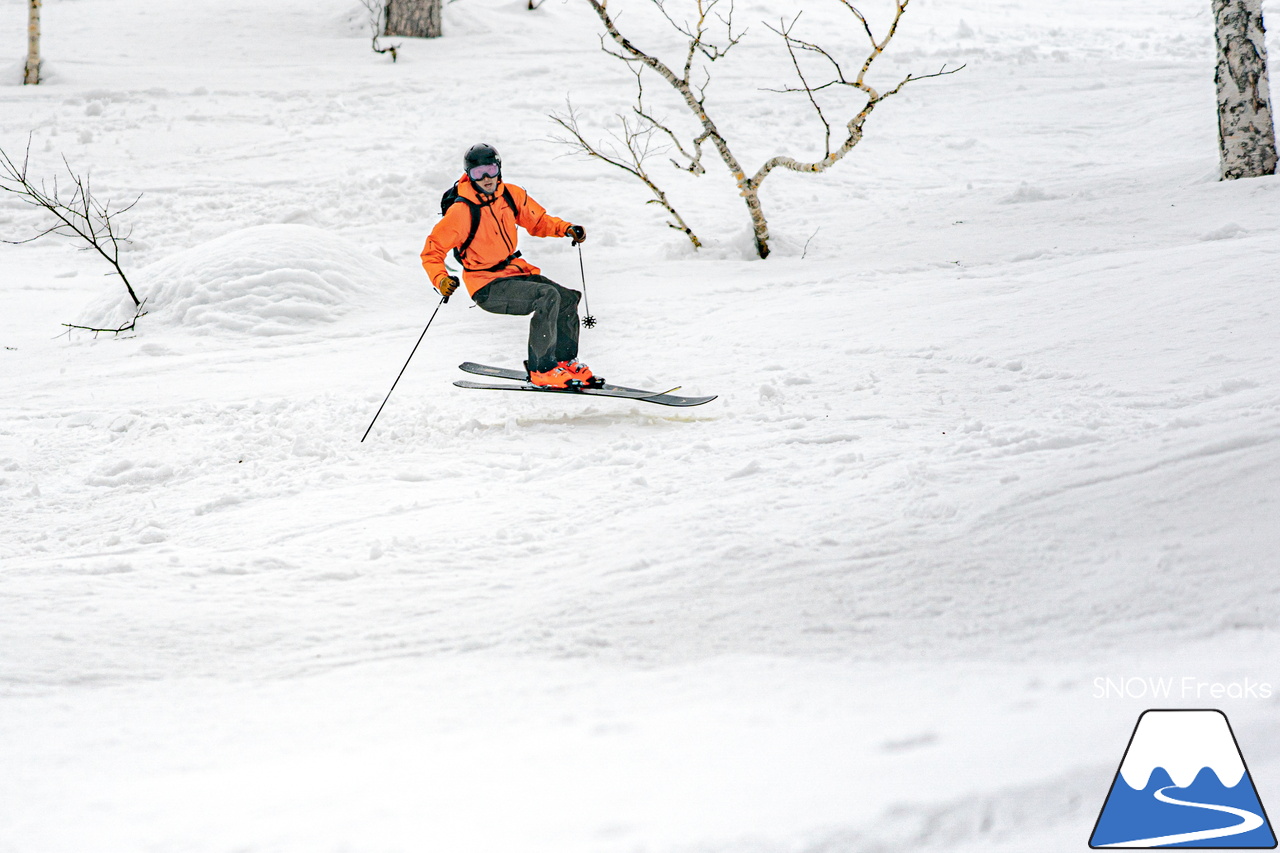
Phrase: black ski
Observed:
(662, 398)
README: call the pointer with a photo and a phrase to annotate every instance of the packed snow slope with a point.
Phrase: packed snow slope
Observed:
(996, 452)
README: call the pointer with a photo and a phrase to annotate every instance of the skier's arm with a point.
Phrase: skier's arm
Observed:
(446, 236)
(534, 218)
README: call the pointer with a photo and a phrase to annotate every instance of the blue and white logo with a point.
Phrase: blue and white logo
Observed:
(1183, 783)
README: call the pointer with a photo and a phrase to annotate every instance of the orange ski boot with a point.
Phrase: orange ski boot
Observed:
(582, 373)
(556, 377)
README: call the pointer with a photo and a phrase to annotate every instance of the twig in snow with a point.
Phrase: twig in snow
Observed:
(77, 213)
(377, 24)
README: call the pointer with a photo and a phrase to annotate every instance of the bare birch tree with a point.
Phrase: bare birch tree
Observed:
(31, 72)
(414, 18)
(691, 78)
(1246, 132)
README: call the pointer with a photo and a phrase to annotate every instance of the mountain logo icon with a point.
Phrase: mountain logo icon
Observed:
(1183, 783)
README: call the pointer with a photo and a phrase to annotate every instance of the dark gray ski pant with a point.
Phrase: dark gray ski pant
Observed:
(553, 329)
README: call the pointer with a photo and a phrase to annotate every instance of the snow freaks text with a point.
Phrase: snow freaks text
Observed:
(1186, 687)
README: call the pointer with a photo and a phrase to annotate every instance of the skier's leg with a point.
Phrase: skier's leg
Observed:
(534, 295)
(566, 321)
(543, 328)
(567, 324)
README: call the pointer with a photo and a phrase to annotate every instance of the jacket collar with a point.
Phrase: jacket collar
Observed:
(468, 190)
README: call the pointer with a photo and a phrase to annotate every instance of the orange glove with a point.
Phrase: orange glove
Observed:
(447, 286)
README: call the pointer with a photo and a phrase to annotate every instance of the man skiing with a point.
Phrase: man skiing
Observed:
(479, 227)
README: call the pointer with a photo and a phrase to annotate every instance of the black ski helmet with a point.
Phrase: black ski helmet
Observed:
(481, 154)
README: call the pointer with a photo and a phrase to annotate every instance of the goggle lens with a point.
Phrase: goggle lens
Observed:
(488, 170)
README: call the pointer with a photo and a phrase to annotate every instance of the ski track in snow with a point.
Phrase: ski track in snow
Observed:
(998, 417)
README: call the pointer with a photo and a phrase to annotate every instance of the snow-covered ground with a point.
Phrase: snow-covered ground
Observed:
(998, 430)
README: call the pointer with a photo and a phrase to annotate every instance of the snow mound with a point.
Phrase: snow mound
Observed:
(1227, 232)
(267, 280)
(1026, 194)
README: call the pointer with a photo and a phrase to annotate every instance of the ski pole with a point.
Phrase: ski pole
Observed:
(442, 301)
(588, 321)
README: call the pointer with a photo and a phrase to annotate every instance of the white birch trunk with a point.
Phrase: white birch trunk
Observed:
(1246, 133)
(414, 18)
(31, 74)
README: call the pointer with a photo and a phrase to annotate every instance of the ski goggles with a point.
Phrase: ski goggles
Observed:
(488, 170)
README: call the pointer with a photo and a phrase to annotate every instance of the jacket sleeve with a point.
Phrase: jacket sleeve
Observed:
(446, 236)
(534, 218)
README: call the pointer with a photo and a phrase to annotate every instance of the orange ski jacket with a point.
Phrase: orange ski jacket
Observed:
(491, 253)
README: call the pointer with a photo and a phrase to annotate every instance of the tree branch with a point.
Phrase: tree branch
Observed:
(680, 84)
(121, 329)
(637, 143)
(785, 32)
(81, 216)
(699, 46)
(378, 22)
(855, 125)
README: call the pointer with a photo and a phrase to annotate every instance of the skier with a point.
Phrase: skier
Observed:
(479, 226)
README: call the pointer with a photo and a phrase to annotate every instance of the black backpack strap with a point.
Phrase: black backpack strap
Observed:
(471, 234)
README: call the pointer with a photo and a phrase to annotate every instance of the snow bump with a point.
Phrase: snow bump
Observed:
(262, 281)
